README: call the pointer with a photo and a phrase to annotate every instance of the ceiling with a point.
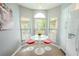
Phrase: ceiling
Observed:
(40, 6)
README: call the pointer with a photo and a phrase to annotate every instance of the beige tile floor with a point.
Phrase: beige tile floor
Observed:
(53, 52)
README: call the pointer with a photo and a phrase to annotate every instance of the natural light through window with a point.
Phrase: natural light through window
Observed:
(39, 15)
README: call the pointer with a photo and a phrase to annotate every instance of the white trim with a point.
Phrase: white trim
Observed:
(16, 51)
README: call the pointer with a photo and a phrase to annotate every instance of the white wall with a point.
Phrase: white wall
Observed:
(63, 30)
(10, 39)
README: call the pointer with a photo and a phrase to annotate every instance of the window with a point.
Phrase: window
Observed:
(25, 28)
(53, 23)
(39, 15)
(53, 28)
(40, 25)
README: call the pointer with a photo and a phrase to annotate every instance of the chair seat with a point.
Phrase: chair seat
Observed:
(30, 41)
(48, 41)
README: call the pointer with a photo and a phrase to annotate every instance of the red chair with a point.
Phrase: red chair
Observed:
(30, 41)
(48, 41)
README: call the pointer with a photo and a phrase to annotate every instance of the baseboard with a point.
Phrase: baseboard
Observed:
(16, 51)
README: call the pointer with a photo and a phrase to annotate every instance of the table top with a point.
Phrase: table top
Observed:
(42, 37)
